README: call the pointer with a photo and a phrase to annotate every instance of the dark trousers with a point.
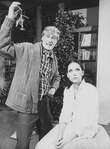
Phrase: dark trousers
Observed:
(26, 123)
(44, 124)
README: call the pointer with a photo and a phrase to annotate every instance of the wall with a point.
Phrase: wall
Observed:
(92, 16)
(103, 63)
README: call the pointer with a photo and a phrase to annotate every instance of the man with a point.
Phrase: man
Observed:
(36, 74)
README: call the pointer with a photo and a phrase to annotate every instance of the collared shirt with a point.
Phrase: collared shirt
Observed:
(45, 72)
(82, 111)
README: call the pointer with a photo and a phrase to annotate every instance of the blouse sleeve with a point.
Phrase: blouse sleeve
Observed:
(65, 112)
(88, 117)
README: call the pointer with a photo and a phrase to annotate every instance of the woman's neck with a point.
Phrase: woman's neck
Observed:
(76, 85)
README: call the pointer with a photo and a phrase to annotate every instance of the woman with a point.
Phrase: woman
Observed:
(79, 115)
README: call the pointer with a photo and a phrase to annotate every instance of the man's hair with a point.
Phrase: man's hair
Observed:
(52, 30)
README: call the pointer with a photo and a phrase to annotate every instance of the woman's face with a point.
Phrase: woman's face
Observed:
(75, 73)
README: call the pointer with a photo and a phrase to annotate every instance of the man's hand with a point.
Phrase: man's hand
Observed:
(14, 11)
(51, 91)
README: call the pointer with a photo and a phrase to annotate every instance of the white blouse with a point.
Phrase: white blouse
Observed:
(82, 112)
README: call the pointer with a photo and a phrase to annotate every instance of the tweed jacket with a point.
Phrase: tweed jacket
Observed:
(23, 94)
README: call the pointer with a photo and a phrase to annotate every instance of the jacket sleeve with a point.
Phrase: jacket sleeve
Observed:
(6, 46)
(56, 78)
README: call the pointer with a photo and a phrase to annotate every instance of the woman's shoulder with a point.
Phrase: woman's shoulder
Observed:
(68, 89)
(90, 87)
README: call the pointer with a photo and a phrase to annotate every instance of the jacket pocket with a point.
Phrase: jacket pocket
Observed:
(20, 99)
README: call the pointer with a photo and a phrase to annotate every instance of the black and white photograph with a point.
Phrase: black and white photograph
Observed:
(54, 74)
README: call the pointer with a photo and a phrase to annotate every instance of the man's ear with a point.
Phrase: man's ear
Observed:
(56, 42)
(41, 38)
